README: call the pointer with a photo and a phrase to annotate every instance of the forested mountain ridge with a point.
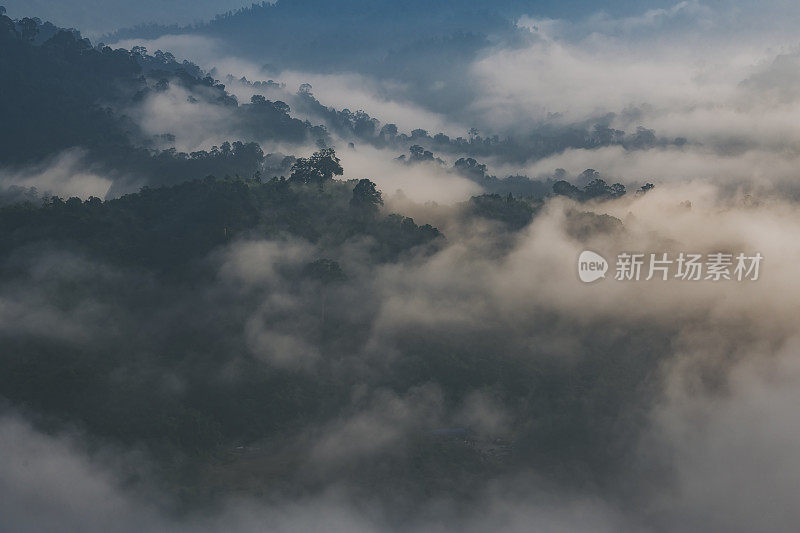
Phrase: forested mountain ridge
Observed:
(379, 266)
(170, 227)
(62, 93)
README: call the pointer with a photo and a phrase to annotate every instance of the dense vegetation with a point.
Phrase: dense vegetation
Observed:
(60, 92)
(226, 318)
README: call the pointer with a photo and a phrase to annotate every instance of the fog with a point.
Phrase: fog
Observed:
(713, 449)
(676, 70)
(66, 174)
(467, 382)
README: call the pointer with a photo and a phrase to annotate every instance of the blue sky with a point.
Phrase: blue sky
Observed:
(101, 16)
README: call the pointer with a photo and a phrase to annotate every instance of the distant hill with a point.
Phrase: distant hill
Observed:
(60, 93)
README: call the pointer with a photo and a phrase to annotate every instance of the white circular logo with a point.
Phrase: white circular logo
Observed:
(591, 266)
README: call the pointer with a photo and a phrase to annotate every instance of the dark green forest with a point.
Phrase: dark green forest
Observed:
(163, 358)
(219, 291)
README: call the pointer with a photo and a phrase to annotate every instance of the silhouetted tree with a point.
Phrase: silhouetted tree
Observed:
(389, 131)
(318, 168)
(28, 28)
(565, 188)
(366, 200)
(596, 188)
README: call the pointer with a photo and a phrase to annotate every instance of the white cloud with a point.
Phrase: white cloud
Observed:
(420, 182)
(65, 175)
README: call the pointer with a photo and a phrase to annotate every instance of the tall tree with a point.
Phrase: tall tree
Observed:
(366, 200)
